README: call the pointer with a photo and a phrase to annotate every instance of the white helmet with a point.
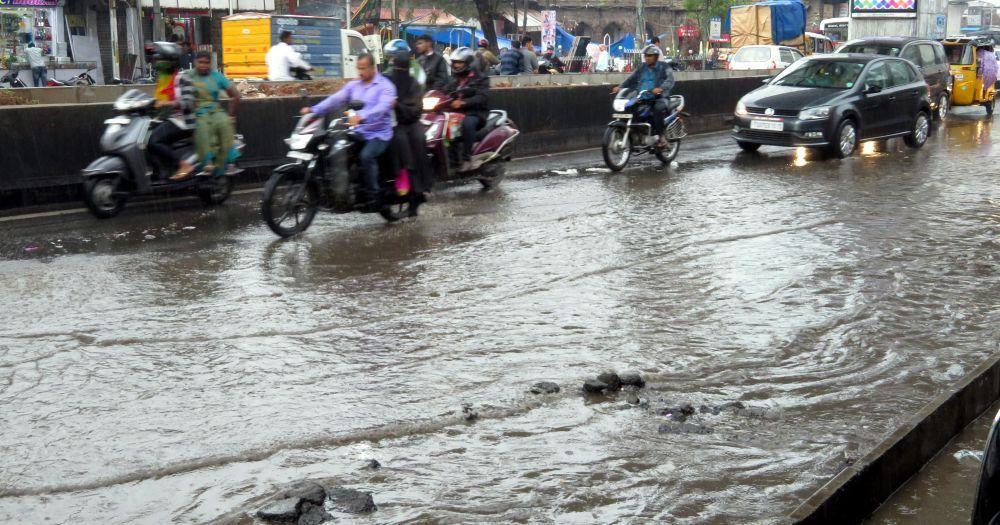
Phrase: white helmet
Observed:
(651, 50)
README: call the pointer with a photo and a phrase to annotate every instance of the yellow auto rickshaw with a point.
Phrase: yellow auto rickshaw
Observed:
(969, 87)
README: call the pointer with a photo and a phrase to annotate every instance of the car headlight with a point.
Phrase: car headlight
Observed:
(741, 109)
(819, 113)
(430, 103)
(619, 104)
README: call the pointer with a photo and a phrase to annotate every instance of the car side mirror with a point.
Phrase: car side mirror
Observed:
(871, 89)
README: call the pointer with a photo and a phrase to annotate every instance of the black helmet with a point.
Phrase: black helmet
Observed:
(163, 51)
(464, 56)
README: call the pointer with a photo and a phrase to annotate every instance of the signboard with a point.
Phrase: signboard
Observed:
(940, 27)
(316, 39)
(29, 3)
(548, 30)
(884, 8)
(715, 29)
(688, 32)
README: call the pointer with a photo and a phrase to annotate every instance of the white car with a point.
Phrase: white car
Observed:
(764, 57)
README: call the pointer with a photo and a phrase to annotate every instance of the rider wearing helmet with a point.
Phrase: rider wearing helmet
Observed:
(470, 90)
(408, 140)
(175, 97)
(485, 59)
(656, 76)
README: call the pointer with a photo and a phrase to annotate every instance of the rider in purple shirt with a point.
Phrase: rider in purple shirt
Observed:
(373, 121)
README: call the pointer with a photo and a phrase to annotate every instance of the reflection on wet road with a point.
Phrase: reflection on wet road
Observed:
(173, 363)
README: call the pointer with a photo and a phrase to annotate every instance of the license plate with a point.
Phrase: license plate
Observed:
(769, 125)
(301, 155)
(622, 115)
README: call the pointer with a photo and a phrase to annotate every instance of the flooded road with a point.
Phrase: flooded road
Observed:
(175, 363)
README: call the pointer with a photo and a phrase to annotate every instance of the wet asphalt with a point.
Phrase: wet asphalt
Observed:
(177, 362)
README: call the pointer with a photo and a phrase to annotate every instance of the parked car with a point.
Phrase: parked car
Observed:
(834, 102)
(928, 55)
(764, 57)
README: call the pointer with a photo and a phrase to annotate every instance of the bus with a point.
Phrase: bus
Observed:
(835, 29)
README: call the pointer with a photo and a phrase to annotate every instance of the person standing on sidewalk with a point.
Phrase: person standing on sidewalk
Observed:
(510, 59)
(529, 64)
(434, 64)
(36, 60)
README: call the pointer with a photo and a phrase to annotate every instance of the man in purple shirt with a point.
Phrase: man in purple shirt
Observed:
(373, 121)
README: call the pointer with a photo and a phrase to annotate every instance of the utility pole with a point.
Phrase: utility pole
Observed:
(347, 15)
(158, 22)
(640, 24)
(115, 66)
(395, 19)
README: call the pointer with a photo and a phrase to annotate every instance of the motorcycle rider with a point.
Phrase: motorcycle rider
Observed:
(282, 58)
(175, 97)
(656, 76)
(408, 140)
(470, 90)
(373, 121)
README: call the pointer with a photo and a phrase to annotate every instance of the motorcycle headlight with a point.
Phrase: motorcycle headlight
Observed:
(818, 113)
(299, 141)
(430, 103)
(619, 104)
(741, 109)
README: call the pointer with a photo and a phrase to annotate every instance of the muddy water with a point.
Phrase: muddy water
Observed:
(151, 373)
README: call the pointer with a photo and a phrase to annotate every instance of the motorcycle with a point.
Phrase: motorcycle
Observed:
(632, 134)
(326, 175)
(13, 80)
(83, 79)
(128, 168)
(494, 142)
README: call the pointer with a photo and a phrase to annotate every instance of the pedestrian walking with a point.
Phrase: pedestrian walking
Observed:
(37, 63)
(603, 59)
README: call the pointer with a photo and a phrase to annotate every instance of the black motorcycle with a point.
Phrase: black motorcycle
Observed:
(326, 175)
(632, 134)
(12, 80)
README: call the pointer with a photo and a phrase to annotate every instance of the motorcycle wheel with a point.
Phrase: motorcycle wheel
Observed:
(99, 195)
(215, 191)
(668, 154)
(492, 175)
(616, 149)
(289, 203)
(396, 211)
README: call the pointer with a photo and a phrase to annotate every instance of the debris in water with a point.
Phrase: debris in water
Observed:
(632, 379)
(32, 248)
(598, 170)
(149, 237)
(684, 428)
(469, 413)
(372, 464)
(544, 387)
(571, 171)
(593, 386)
(189, 228)
(611, 379)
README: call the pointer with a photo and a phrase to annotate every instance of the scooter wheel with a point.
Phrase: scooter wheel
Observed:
(215, 191)
(289, 203)
(99, 194)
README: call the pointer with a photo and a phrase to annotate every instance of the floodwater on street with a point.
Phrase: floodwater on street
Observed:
(175, 363)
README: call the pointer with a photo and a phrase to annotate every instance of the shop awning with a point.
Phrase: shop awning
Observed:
(237, 5)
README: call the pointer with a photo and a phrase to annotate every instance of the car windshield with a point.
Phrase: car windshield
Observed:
(871, 49)
(959, 54)
(753, 54)
(821, 74)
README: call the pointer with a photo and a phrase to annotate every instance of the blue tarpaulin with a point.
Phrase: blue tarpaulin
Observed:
(623, 46)
(788, 19)
(456, 36)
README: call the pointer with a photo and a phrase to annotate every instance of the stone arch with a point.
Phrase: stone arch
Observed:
(583, 29)
(614, 29)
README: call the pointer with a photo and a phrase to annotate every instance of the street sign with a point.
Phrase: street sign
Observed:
(940, 27)
(715, 29)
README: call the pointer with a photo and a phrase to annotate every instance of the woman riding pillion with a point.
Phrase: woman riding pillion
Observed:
(655, 76)
(409, 141)
(214, 128)
(175, 98)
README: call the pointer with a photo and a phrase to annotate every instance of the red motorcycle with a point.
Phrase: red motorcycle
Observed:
(494, 142)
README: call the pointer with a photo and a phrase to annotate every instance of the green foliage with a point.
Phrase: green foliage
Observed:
(704, 10)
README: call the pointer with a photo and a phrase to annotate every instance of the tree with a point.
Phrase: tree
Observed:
(704, 10)
(486, 11)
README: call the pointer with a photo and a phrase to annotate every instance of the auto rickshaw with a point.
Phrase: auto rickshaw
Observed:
(967, 74)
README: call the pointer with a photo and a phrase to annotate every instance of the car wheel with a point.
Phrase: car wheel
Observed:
(921, 130)
(749, 147)
(845, 140)
(944, 104)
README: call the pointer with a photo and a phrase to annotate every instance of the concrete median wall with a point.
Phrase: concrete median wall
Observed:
(46, 146)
